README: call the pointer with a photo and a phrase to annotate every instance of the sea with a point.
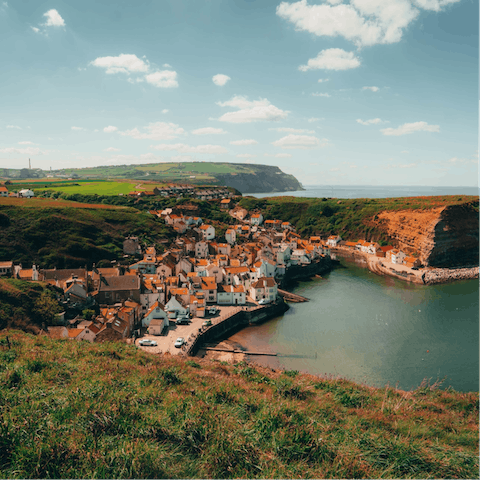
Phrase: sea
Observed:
(372, 329)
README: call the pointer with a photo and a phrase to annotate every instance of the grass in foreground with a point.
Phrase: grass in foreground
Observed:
(75, 410)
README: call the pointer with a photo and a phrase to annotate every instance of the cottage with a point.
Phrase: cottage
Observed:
(256, 219)
(264, 288)
(6, 268)
(333, 240)
(116, 289)
(208, 232)
(157, 312)
(3, 191)
(26, 193)
(230, 236)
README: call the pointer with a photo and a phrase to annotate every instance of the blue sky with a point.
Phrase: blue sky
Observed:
(361, 92)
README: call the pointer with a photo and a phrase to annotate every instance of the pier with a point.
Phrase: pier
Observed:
(292, 297)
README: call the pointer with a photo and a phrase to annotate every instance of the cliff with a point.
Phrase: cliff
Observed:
(264, 179)
(444, 236)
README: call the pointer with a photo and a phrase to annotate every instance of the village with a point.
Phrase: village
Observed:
(162, 301)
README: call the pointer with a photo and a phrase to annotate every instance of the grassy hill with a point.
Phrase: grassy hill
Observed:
(77, 410)
(244, 177)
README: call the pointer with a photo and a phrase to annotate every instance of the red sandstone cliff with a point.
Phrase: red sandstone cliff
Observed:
(443, 237)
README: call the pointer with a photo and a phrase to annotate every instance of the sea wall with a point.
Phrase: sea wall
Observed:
(238, 320)
(301, 272)
(443, 275)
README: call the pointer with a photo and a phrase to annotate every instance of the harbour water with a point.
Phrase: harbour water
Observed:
(370, 191)
(375, 330)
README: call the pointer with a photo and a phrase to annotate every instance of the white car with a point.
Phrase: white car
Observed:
(212, 310)
(146, 342)
(179, 342)
(263, 301)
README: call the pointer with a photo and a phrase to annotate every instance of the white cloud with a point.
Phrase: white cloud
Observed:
(209, 131)
(53, 19)
(155, 131)
(408, 128)
(77, 129)
(332, 59)
(321, 95)
(163, 79)
(373, 89)
(246, 155)
(251, 111)
(435, 5)
(373, 121)
(23, 151)
(111, 149)
(278, 155)
(35, 29)
(322, 80)
(460, 161)
(110, 129)
(300, 141)
(124, 63)
(182, 148)
(14, 126)
(244, 142)
(364, 22)
(165, 110)
(26, 143)
(220, 79)
(313, 119)
(292, 130)
(166, 65)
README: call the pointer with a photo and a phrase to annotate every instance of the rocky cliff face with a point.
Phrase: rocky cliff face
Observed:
(443, 237)
(265, 179)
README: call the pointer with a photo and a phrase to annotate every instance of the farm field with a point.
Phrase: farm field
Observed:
(53, 203)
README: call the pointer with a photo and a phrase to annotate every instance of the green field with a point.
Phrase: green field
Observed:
(99, 188)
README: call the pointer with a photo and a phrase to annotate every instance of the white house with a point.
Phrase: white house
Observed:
(398, 257)
(174, 308)
(300, 257)
(26, 193)
(256, 219)
(208, 232)
(333, 240)
(231, 295)
(156, 311)
(230, 236)
(264, 288)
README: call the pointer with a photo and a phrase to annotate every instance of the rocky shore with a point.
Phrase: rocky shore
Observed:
(443, 275)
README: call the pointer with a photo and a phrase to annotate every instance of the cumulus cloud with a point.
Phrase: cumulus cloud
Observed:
(313, 119)
(332, 59)
(163, 79)
(373, 89)
(246, 155)
(16, 127)
(373, 121)
(435, 5)
(182, 148)
(209, 131)
(54, 19)
(251, 111)
(293, 130)
(408, 128)
(364, 22)
(322, 80)
(78, 129)
(23, 151)
(124, 63)
(300, 141)
(165, 110)
(26, 143)
(155, 131)
(244, 142)
(220, 79)
(327, 95)
(111, 149)
(110, 129)
(35, 29)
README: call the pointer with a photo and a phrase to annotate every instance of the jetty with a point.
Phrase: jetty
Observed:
(246, 352)
(292, 297)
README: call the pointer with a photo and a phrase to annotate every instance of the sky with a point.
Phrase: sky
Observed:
(335, 92)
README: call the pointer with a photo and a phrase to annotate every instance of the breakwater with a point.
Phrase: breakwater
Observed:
(302, 272)
(444, 275)
(234, 322)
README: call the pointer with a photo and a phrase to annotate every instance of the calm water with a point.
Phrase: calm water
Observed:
(370, 191)
(376, 330)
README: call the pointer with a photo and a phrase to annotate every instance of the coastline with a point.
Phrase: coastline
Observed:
(426, 276)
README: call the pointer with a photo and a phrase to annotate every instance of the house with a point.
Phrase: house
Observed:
(264, 288)
(208, 232)
(209, 288)
(156, 326)
(6, 268)
(201, 250)
(230, 236)
(175, 307)
(256, 219)
(131, 246)
(231, 295)
(26, 193)
(333, 240)
(113, 330)
(116, 289)
(383, 251)
(396, 256)
(226, 203)
(412, 262)
(156, 311)
(3, 191)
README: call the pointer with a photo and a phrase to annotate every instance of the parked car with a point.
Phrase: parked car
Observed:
(183, 321)
(212, 310)
(179, 342)
(207, 323)
(263, 301)
(146, 342)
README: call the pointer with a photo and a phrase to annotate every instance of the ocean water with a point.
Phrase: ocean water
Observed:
(370, 191)
(375, 330)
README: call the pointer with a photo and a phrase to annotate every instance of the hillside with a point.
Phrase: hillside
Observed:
(247, 178)
(78, 410)
(442, 230)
